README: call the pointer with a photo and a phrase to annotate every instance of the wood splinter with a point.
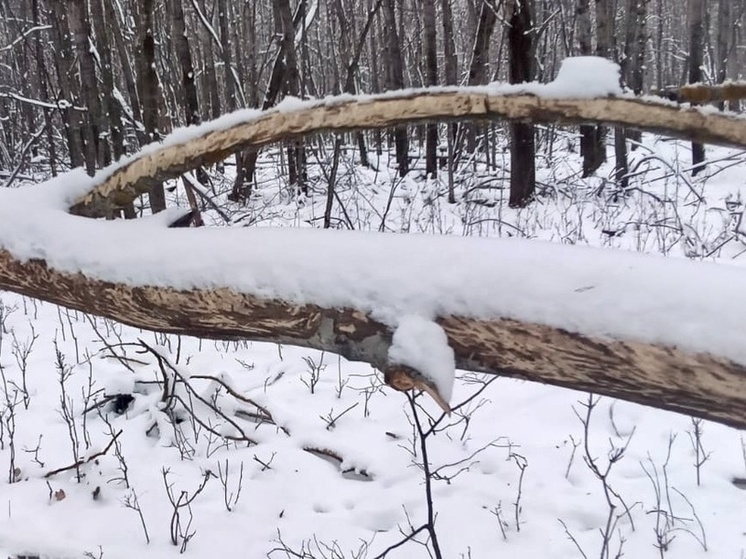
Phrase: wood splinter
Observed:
(403, 378)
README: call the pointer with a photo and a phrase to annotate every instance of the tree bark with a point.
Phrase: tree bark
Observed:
(431, 79)
(664, 377)
(148, 91)
(395, 80)
(521, 69)
(81, 33)
(695, 14)
(588, 137)
(450, 67)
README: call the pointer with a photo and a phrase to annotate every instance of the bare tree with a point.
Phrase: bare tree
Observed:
(521, 67)
(431, 78)
(147, 79)
(695, 13)
(395, 79)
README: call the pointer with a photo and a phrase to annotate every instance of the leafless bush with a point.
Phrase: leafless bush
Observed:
(131, 502)
(230, 496)
(602, 472)
(700, 455)
(180, 529)
(314, 372)
(67, 411)
(22, 351)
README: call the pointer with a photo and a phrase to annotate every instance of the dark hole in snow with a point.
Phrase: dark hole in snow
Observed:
(122, 403)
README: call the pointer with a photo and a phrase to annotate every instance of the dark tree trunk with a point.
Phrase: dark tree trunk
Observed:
(395, 80)
(633, 65)
(148, 90)
(125, 65)
(226, 56)
(72, 119)
(431, 78)
(450, 67)
(521, 69)
(725, 32)
(296, 152)
(478, 73)
(695, 14)
(81, 33)
(44, 89)
(112, 110)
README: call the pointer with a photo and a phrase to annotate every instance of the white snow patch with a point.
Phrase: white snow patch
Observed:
(586, 76)
(422, 344)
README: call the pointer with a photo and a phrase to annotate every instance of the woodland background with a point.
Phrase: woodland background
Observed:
(83, 82)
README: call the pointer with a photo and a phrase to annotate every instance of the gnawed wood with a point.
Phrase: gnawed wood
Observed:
(700, 93)
(664, 377)
(130, 181)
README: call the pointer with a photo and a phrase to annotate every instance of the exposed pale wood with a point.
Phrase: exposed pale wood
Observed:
(132, 180)
(702, 93)
(663, 377)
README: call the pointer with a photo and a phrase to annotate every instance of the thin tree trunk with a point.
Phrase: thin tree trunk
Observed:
(450, 67)
(396, 80)
(112, 109)
(725, 32)
(521, 69)
(296, 152)
(431, 79)
(226, 56)
(695, 13)
(478, 74)
(44, 89)
(81, 34)
(148, 90)
(71, 118)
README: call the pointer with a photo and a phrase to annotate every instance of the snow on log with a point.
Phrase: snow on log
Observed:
(193, 147)
(661, 332)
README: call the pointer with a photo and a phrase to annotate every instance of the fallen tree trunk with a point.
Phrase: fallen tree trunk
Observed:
(663, 376)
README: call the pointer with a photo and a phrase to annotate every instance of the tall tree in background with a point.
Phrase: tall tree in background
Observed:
(450, 68)
(480, 59)
(632, 65)
(68, 90)
(726, 30)
(695, 15)
(297, 173)
(431, 78)
(112, 112)
(594, 148)
(147, 79)
(81, 33)
(395, 79)
(521, 69)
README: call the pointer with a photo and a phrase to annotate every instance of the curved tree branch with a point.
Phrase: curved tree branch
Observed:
(131, 180)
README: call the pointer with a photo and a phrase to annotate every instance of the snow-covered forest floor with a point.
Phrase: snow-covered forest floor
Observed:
(216, 448)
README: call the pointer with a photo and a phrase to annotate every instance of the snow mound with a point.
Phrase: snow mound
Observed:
(585, 76)
(421, 344)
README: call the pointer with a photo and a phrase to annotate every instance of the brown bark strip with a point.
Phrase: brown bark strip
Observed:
(127, 183)
(704, 93)
(664, 377)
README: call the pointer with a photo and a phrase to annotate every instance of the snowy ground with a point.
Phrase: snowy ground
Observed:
(307, 455)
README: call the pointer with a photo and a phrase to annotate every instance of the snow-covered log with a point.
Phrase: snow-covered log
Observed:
(189, 149)
(664, 333)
